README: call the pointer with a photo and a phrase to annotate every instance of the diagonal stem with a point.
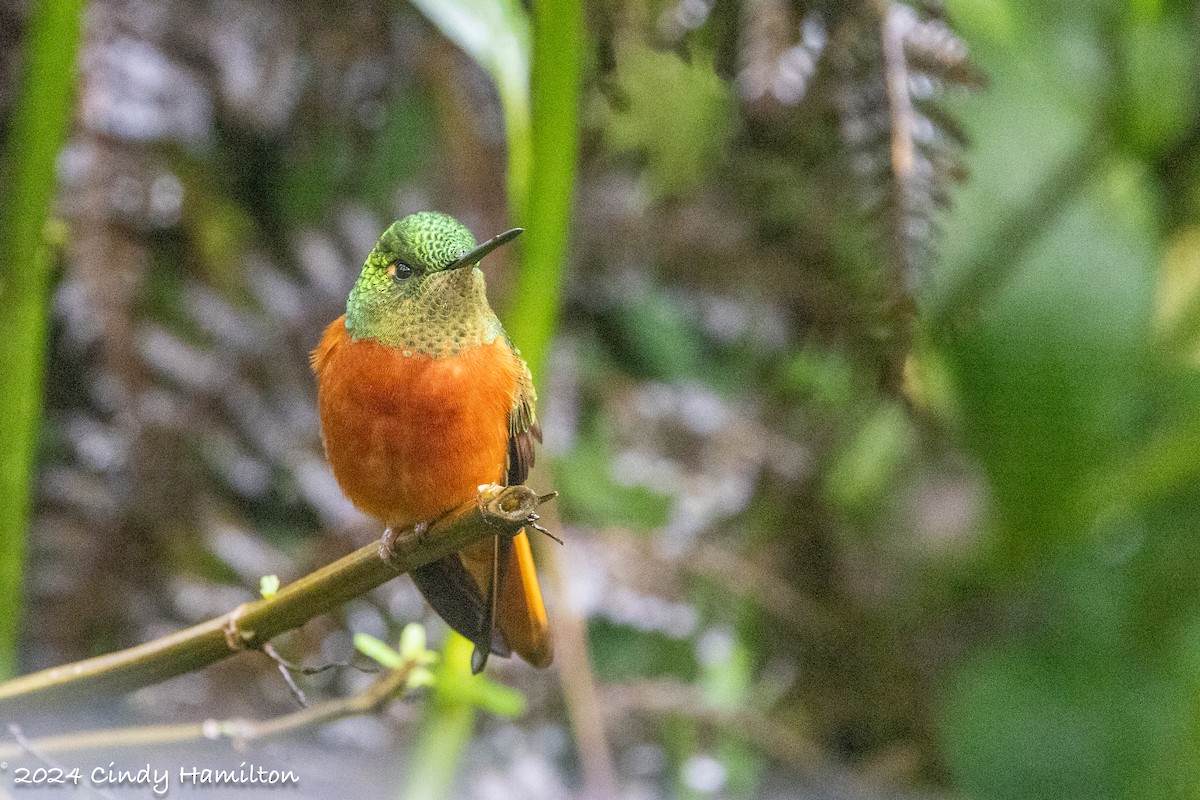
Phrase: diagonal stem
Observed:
(250, 625)
(387, 686)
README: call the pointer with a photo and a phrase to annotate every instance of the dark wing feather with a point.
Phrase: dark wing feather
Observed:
(456, 598)
(523, 429)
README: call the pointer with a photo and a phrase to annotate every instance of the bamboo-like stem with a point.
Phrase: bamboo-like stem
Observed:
(40, 119)
(497, 510)
(559, 40)
(445, 729)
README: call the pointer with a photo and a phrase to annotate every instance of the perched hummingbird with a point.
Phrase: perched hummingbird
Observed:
(422, 399)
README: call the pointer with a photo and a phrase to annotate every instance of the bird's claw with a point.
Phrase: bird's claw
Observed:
(236, 637)
(387, 545)
(392, 538)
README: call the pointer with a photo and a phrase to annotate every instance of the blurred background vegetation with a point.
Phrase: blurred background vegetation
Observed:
(872, 398)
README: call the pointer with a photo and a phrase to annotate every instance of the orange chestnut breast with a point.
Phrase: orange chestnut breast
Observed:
(411, 437)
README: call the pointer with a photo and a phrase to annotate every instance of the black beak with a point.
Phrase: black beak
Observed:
(475, 256)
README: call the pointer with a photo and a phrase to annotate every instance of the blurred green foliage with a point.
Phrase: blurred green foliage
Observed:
(675, 114)
(1090, 692)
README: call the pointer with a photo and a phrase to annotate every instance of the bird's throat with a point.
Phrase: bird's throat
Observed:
(447, 313)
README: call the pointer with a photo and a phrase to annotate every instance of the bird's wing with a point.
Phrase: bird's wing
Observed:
(523, 427)
(517, 608)
(502, 612)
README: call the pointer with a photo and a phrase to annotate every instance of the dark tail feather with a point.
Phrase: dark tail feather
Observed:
(456, 597)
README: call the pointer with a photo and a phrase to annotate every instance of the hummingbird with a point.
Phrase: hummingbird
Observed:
(422, 399)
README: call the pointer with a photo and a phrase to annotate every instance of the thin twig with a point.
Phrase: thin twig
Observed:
(574, 665)
(288, 670)
(285, 669)
(502, 510)
(28, 747)
(240, 731)
(575, 673)
(899, 102)
(782, 742)
(899, 304)
(1021, 226)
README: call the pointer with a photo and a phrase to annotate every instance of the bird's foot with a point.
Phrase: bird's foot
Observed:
(392, 538)
(237, 637)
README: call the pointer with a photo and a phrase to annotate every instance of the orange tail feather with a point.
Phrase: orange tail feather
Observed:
(521, 615)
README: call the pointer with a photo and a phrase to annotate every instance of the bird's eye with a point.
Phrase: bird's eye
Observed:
(400, 270)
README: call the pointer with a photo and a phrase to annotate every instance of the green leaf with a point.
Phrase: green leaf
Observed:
(1055, 720)
(1160, 67)
(268, 585)
(373, 648)
(503, 701)
(412, 645)
(679, 115)
(495, 34)
(864, 470)
(1048, 376)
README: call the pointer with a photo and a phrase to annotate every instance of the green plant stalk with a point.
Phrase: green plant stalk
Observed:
(557, 69)
(559, 44)
(520, 146)
(446, 729)
(39, 125)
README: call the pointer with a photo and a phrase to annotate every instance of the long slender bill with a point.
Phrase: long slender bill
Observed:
(475, 256)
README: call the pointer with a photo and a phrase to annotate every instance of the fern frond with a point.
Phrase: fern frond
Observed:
(903, 151)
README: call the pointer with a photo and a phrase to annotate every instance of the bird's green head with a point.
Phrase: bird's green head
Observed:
(421, 290)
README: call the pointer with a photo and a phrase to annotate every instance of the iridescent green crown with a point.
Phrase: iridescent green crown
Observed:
(432, 238)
